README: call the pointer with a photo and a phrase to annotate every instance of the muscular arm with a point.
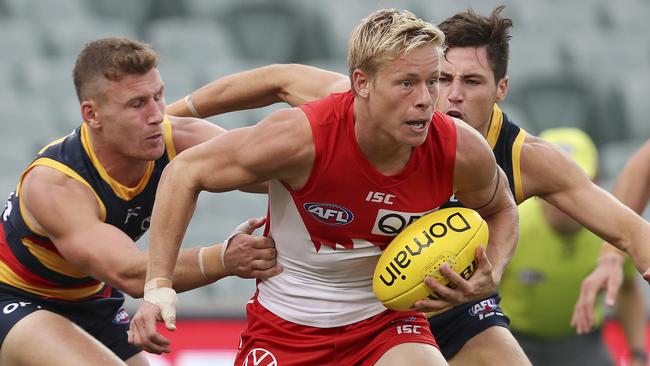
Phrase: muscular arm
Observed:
(481, 185)
(291, 83)
(188, 132)
(633, 184)
(94, 247)
(549, 173)
(632, 187)
(278, 147)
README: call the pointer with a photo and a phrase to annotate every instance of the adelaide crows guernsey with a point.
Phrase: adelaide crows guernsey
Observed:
(30, 262)
(330, 233)
(506, 139)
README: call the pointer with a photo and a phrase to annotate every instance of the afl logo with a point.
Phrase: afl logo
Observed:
(329, 213)
(121, 317)
(260, 357)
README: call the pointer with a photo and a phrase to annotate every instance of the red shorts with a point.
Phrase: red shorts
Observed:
(272, 341)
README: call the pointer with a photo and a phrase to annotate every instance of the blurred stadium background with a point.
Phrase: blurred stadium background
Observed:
(582, 63)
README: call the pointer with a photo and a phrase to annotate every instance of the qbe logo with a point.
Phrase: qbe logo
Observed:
(390, 223)
(260, 357)
(329, 213)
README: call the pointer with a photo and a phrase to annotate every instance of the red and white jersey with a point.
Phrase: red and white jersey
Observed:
(330, 233)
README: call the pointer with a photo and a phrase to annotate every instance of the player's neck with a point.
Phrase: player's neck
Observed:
(381, 150)
(483, 128)
(126, 170)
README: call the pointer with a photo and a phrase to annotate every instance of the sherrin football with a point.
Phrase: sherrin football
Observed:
(449, 235)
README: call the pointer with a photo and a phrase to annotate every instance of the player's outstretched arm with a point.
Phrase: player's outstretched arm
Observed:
(104, 252)
(552, 175)
(294, 84)
(633, 189)
(278, 147)
(481, 185)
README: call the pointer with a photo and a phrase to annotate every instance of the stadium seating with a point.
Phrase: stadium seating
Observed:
(554, 101)
(190, 40)
(635, 89)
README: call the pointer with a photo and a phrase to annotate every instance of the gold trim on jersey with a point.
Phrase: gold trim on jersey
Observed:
(516, 165)
(9, 277)
(52, 260)
(56, 165)
(120, 190)
(496, 122)
(51, 144)
(169, 141)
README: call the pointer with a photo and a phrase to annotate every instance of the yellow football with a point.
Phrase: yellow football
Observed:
(449, 235)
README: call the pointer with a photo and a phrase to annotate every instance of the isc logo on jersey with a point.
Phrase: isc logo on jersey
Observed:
(329, 213)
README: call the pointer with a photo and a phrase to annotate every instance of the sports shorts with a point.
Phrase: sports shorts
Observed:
(271, 340)
(103, 318)
(456, 326)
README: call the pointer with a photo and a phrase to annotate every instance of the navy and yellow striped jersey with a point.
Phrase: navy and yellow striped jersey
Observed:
(506, 139)
(30, 262)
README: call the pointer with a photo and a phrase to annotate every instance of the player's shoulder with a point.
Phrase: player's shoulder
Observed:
(185, 124)
(470, 142)
(545, 168)
(536, 150)
(286, 122)
(48, 178)
(51, 191)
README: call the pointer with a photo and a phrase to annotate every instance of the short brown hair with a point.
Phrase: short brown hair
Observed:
(111, 58)
(468, 29)
(384, 35)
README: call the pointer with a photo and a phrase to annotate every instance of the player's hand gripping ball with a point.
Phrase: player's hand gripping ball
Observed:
(449, 235)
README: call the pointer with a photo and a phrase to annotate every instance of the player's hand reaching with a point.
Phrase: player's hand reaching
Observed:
(159, 305)
(143, 332)
(248, 256)
(480, 285)
(607, 275)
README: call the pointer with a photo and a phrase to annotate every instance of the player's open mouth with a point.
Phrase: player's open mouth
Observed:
(417, 124)
(455, 114)
(154, 137)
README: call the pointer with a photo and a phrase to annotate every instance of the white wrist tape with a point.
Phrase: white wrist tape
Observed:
(224, 246)
(202, 262)
(155, 292)
(165, 298)
(243, 228)
(157, 282)
(190, 106)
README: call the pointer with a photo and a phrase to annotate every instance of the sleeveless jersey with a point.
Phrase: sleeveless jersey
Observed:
(541, 283)
(330, 233)
(30, 262)
(506, 139)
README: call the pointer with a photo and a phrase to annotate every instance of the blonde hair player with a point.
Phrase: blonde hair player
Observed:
(325, 159)
(473, 80)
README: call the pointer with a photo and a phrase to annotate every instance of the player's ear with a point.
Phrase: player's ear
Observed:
(360, 83)
(502, 88)
(89, 113)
